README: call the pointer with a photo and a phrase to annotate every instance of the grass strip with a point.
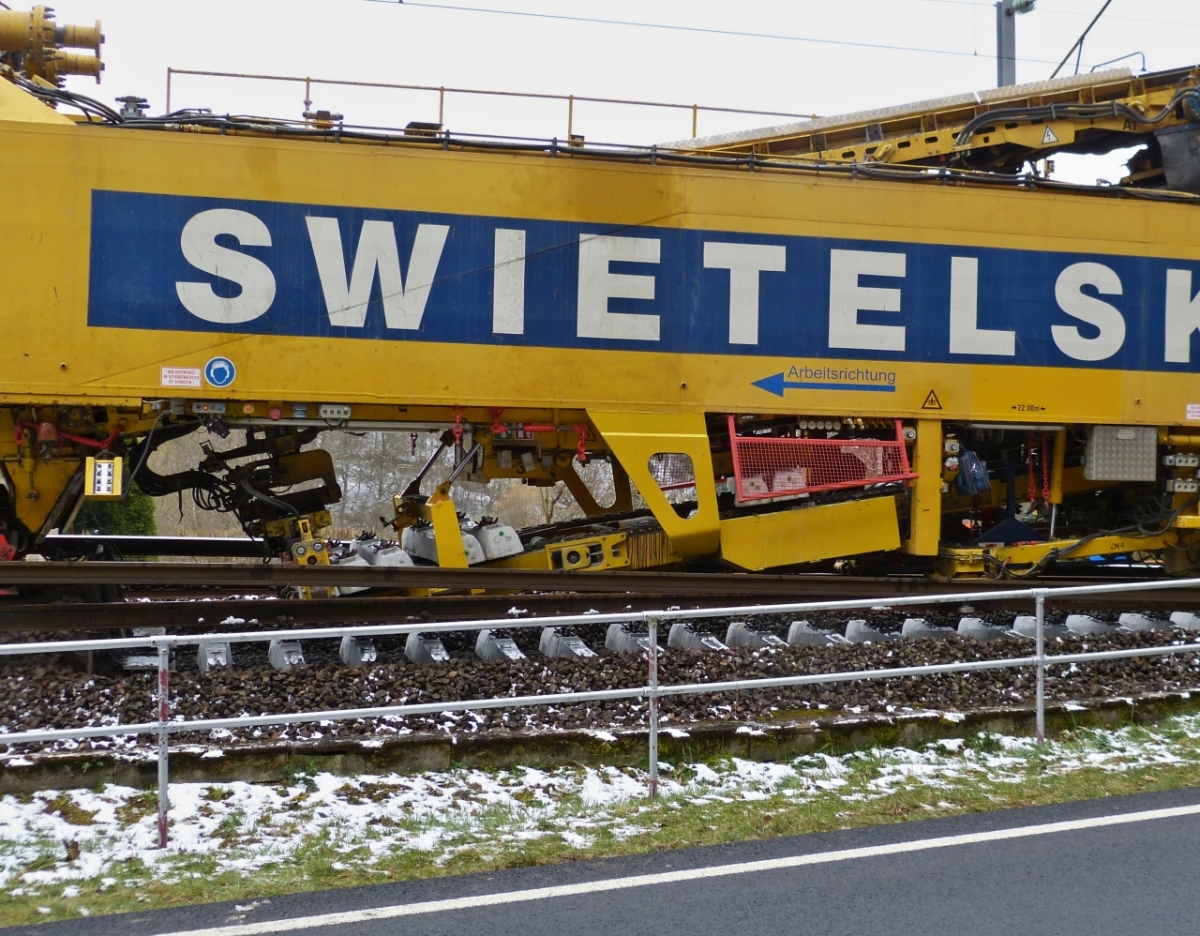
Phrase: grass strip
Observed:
(870, 787)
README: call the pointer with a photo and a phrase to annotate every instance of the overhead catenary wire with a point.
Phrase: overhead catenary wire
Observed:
(1079, 42)
(982, 6)
(703, 30)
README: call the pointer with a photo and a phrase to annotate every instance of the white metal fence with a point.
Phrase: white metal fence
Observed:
(164, 726)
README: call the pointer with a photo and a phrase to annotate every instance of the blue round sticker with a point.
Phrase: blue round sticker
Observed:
(220, 372)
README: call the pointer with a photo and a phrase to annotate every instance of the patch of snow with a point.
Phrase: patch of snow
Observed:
(245, 827)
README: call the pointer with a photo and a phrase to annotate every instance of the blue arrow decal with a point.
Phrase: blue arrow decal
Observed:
(776, 384)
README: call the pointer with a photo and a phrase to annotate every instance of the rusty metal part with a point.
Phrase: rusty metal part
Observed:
(504, 580)
(61, 545)
(209, 615)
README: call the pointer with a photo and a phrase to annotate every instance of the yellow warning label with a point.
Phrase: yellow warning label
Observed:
(932, 401)
(1049, 137)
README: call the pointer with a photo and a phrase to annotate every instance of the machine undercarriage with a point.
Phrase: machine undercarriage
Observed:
(757, 492)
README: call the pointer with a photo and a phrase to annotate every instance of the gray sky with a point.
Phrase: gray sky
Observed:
(405, 43)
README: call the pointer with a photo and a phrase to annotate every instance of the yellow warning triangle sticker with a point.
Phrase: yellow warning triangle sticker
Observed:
(932, 401)
(1049, 137)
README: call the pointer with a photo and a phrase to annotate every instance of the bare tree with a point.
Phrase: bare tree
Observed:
(371, 468)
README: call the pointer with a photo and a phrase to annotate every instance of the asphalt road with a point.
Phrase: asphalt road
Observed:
(1010, 872)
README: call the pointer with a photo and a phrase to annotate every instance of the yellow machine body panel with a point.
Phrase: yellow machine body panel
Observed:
(791, 537)
(243, 268)
(17, 106)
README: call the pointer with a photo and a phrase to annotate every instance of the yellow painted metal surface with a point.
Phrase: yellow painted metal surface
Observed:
(447, 535)
(583, 554)
(928, 132)
(925, 512)
(42, 44)
(988, 560)
(852, 528)
(635, 438)
(17, 106)
(39, 486)
(310, 551)
(46, 243)
(1058, 467)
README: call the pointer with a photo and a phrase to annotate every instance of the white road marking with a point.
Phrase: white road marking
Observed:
(676, 877)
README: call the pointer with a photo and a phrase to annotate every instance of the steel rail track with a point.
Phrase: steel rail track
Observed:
(70, 545)
(210, 614)
(514, 580)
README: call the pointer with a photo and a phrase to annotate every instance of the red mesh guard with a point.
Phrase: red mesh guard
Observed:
(769, 467)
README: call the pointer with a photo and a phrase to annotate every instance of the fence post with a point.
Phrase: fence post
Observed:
(164, 715)
(1040, 599)
(652, 656)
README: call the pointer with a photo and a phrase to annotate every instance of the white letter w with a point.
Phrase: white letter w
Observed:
(403, 304)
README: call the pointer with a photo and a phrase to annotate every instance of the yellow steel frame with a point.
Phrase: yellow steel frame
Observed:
(975, 561)
(925, 512)
(929, 131)
(586, 553)
(635, 438)
(810, 534)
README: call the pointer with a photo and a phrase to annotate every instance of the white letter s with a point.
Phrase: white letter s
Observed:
(1076, 303)
(202, 251)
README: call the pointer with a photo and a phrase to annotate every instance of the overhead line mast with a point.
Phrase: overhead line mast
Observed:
(1007, 12)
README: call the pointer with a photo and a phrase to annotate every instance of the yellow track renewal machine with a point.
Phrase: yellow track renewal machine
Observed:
(889, 339)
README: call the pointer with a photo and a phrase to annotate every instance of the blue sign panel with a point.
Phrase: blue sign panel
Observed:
(248, 267)
(219, 372)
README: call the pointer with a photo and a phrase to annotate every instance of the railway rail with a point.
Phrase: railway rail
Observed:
(226, 575)
(541, 593)
(76, 546)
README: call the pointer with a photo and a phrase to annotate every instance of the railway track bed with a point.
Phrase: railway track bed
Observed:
(45, 693)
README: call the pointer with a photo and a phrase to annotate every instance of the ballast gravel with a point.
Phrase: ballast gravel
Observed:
(42, 692)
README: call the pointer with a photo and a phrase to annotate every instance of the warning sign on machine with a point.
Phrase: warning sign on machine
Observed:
(180, 377)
